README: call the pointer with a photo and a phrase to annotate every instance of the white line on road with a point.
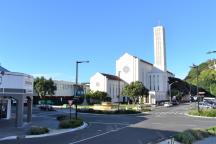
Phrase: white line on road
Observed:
(109, 123)
(157, 123)
(98, 135)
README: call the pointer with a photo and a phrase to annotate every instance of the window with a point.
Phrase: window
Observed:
(150, 82)
(113, 91)
(154, 81)
(110, 90)
(158, 82)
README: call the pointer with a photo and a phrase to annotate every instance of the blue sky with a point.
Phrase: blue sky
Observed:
(46, 37)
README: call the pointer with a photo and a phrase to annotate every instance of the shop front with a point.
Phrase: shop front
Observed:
(17, 87)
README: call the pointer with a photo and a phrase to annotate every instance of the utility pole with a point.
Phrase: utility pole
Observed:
(197, 81)
(119, 72)
(76, 87)
(1, 104)
(170, 90)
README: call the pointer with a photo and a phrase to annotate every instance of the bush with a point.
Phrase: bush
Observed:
(189, 136)
(38, 130)
(211, 131)
(108, 112)
(203, 112)
(73, 123)
(61, 117)
(185, 137)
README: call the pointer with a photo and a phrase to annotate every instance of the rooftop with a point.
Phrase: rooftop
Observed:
(3, 69)
(111, 77)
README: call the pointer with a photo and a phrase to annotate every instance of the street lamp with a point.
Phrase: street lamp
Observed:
(77, 64)
(210, 52)
(196, 67)
(170, 90)
(119, 89)
(1, 104)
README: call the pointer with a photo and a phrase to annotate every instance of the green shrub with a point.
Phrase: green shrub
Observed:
(146, 110)
(203, 112)
(193, 112)
(61, 117)
(185, 137)
(73, 123)
(38, 130)
(126, 112)
(211, 131)
(108, 112)
(189, 136)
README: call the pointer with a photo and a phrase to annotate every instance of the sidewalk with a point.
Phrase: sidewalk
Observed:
(43, 119)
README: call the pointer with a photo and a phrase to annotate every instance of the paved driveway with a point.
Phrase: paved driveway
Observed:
(125, 129)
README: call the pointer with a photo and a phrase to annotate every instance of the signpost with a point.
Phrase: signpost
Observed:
(70, 102)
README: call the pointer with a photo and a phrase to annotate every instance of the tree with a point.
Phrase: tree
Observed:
(97, 96)
(51, 87)
(206, 77)
(44, 87)
(135, 90)
(100, 95)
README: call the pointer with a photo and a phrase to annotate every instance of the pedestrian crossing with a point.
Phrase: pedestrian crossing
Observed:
(160, 114)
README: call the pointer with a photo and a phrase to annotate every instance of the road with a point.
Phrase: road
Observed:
(126, 129)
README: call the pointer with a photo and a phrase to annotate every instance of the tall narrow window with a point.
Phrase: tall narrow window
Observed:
(113, 91)
(150, 82)
(110, 90)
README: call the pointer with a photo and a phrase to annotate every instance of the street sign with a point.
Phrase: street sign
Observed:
(70, 102)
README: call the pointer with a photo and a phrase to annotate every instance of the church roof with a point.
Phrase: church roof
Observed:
(150, 64)
(111, 77)
(143, 60)
(170, 72)
(3, 69)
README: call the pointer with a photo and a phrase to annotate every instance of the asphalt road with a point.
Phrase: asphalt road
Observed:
(126, 129)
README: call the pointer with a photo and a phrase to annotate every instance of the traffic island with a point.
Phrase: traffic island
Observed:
(203, 112)
(108, 111)
(190, 136)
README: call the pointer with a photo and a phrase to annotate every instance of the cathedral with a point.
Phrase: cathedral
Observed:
(130, 68)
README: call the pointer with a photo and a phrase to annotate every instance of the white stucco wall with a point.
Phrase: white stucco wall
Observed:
(128, 66)
(64, 88)
(14, 80)
(144, 69)
(114, 88)
(98, 82)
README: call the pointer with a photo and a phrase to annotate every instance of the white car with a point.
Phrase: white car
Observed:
(204, 105)
(167, 104)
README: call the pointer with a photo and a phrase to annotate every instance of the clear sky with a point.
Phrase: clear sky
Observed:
(46, 37)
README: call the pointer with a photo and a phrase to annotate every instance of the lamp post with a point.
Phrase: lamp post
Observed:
(1, 75)
(77, 64)
(170, 90)
(196, 67)
(119, 89)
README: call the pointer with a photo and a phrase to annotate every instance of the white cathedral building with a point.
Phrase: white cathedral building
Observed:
(130, 68)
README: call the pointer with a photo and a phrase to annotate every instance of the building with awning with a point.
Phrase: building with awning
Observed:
(18, 87)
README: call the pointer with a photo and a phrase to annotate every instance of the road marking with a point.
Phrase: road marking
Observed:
(157, 123)
(89, 138)
(109, 123)
(190, 125)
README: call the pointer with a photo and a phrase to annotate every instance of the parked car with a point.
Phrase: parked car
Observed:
(175, 102)
(46, 108)
(205, 105)
(210, 103)
(167, 104)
